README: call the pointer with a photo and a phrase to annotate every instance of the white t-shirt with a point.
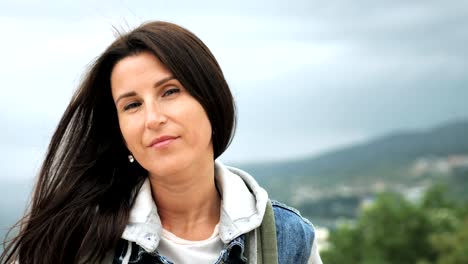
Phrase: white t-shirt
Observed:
(181, 251)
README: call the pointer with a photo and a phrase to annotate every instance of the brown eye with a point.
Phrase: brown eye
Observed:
(131, 106)
(171, 91)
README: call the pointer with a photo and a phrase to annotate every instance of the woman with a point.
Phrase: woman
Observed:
(130, 175)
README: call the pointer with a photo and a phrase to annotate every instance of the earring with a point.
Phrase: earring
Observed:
(130, 158)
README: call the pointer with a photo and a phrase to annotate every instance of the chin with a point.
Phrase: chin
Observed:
(166, 167)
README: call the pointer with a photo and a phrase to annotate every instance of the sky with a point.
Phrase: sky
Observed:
(307, 76)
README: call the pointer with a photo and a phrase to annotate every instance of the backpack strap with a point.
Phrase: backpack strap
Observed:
(267, 251)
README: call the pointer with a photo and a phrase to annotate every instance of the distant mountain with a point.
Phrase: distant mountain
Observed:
(383, 160)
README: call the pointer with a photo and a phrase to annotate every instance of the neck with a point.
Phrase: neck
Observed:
(188, 203)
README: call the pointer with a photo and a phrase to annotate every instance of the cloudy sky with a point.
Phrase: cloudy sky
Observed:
(308, 76)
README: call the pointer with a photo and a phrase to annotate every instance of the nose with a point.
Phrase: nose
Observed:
(155, 116)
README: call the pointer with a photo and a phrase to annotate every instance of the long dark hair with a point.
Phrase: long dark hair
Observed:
(86, 185)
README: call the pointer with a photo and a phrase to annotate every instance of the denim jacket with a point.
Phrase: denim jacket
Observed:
(242, 209)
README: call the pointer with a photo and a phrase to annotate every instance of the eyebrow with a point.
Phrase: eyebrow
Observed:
(132, 93)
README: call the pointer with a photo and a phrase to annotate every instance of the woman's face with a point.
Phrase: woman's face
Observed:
(163, 126)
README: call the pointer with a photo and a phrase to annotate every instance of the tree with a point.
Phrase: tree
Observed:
(343, 246)
(394, 230)
(452, 246)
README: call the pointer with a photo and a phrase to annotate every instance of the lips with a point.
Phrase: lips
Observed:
(162, 141)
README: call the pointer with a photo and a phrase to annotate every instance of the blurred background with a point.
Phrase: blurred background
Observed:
(354, 112)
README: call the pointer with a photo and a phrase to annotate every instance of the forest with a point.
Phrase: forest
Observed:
(395, 230)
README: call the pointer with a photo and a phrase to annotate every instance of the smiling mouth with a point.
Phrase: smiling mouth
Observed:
(162, 142)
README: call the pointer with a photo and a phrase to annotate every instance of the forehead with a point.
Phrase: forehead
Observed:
(138, 68)
(135, 72)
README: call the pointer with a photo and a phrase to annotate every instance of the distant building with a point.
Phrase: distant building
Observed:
(440, 165)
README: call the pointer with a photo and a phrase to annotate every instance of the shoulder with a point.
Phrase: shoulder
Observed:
(295, 234)
(288, 215)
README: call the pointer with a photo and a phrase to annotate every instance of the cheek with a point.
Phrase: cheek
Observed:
(203, 129)
(197, 125)
(128, 132)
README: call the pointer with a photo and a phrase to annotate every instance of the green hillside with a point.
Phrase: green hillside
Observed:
(386, 163)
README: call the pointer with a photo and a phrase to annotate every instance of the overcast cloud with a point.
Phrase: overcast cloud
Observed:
(308, 76)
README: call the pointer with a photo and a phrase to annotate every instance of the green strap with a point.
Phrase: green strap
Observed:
(267, 252)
